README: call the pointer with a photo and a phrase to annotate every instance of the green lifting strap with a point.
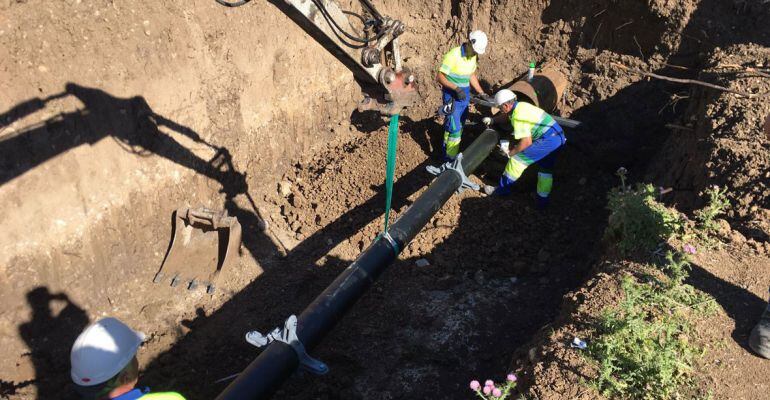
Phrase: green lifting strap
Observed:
(390, 172)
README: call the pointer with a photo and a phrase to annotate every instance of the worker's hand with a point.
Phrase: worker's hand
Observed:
(486, 121)
(460, 94)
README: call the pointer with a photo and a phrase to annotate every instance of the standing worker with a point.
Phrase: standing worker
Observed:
(456, 75)
(539, 138)
(104, 364)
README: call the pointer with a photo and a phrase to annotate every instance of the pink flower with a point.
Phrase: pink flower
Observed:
(497, 392)
(475, 385)
(689, 249)
(487, 389)
(489, 383)
(511, 378)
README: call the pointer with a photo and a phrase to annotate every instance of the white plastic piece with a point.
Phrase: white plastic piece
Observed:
(578, 344)
(505, 146)
(288, 335)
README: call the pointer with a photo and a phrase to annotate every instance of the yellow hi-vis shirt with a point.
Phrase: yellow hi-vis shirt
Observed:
(162, 396)
(458, 69)
(528, 120)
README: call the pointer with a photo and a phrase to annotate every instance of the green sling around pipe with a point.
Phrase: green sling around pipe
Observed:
(390, 169)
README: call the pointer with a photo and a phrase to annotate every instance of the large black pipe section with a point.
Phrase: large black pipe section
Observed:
(279, 360)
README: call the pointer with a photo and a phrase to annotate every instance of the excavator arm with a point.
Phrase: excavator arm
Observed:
(372, 55)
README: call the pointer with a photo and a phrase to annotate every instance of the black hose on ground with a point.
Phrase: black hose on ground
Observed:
(279, 360)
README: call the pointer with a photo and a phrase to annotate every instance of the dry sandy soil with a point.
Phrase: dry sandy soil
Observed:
(113, 114)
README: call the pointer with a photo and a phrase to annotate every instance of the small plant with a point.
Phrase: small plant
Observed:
(490, 391)
(637, 221)
(643, 347)
(677, 267)
(717, 205)
(642, 351)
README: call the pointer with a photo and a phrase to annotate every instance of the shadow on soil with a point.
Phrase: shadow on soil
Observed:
(132, 123)
(460, 317)
(742, 306)
(426, 132)
(640, 28)
(56, 322)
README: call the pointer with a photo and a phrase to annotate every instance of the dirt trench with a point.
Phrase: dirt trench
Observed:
(192, 75)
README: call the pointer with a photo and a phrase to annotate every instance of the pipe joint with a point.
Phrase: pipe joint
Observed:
(455, 165)
(288, 335)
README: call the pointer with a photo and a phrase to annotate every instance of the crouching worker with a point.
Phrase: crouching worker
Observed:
(104, 364)
(539, 139)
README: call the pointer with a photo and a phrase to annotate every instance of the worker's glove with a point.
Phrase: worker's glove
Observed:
(460, 94)
(504, 148)
(486, 121)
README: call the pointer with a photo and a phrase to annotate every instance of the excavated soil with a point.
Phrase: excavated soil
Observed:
(106, 128)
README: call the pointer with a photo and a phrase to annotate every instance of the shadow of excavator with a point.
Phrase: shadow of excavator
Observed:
(133, 124)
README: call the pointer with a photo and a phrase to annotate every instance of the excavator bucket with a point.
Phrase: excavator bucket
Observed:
(205, 241)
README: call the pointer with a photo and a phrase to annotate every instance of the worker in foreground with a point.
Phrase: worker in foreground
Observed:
(539, 139)
(104, 364)
(456, 76)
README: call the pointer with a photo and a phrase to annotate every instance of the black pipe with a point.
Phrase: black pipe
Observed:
(279, 360)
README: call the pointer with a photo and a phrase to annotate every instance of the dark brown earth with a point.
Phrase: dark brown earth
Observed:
(503, 279)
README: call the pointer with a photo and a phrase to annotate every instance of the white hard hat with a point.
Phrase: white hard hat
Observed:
(102, 350)
(504, 96)
(478, 41)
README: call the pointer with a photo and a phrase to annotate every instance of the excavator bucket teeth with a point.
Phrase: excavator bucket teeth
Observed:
(205, 242)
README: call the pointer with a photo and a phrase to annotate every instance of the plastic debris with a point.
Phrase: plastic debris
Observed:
(578, 344)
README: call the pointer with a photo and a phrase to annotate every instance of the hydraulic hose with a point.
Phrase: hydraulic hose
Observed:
(335, 26)
(279, 360)
(376, 14)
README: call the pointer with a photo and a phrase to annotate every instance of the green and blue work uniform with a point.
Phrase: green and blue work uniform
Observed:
(458, 68)
(139, 394)
(547, 138)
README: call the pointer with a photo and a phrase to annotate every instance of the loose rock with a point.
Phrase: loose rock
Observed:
(284, 188)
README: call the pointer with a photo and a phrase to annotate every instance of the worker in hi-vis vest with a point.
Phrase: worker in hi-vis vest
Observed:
(457, 75)
(538, 137)
(104, 364)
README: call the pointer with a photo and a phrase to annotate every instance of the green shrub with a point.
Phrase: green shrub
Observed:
(643, 347)
(641, 353)
(638, 222)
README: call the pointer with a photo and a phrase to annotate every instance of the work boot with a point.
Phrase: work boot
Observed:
(759, 341)
(489, 190)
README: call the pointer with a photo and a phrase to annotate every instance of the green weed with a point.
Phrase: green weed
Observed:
(641, 355)
(707, 216)
(643, 349)
(638, 222)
